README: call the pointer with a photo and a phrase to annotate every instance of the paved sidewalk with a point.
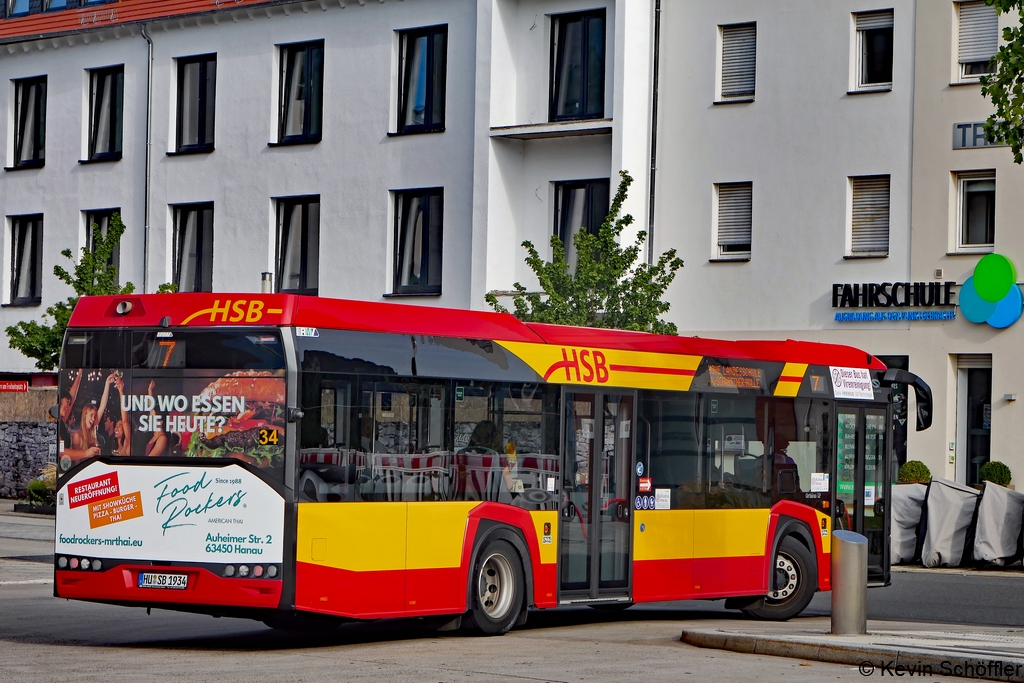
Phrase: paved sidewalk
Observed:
(890, 648)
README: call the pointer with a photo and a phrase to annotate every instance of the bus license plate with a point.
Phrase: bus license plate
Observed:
(179, 581)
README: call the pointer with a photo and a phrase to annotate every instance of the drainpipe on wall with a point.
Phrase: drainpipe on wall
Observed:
(654, 131)
(149, 141)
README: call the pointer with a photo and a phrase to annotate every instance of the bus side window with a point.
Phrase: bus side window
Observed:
(671, 420)
(736, 429)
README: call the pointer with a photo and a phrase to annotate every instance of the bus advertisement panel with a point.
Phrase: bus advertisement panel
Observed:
(176, 514)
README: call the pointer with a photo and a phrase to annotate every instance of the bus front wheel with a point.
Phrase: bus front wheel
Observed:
(792, 582)
(498, 588)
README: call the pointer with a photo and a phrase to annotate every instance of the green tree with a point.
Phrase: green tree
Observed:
(605, 289)
(93, 274)
(1005, 86)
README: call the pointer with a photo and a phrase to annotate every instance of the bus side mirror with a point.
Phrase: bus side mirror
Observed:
(54, 411)
(922, 393)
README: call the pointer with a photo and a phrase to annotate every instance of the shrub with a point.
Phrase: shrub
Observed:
(41, 493)
(995, 472)
(915, 472)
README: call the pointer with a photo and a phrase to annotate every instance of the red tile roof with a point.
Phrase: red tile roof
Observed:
(62, 22)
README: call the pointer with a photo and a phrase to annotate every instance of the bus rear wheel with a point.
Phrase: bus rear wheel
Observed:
(498, 588)
(792, 582)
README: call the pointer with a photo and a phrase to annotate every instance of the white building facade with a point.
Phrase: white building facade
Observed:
(398, 150)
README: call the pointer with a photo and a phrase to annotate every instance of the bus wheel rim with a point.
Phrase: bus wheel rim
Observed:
(786, 567)
(495, 586)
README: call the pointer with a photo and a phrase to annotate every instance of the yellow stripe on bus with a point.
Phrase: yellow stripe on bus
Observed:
(437, 532)
(791, 379)
(666, 534)
(549, 550)
(355, 536)
(597, 367)
(729, 533)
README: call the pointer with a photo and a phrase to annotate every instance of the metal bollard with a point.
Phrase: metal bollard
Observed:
(849, 583)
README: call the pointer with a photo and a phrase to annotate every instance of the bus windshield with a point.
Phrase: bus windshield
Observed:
(180, 393)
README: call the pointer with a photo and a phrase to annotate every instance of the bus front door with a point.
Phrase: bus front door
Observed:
(862, 481)
(594, 545)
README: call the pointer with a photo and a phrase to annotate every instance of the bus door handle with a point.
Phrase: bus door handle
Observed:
(568, 510)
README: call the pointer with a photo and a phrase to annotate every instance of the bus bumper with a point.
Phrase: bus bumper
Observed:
(121, 584)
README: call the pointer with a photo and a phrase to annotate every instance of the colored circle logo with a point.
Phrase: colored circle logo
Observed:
(991, 295)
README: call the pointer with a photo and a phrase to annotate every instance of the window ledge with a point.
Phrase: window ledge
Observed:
(395, 295)
(101, 160)
(868, 90)
(734, 100)
(855, 257)
(23, 304)
(293, 143)
(425, 131)
(972, 252)
(26, 165)
(206, 149)
(735, 259)
(557, 129)
(957, 84)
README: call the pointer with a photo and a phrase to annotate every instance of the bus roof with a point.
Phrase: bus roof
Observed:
(291, 310)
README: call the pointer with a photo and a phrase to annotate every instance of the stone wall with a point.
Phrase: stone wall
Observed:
(24, 450)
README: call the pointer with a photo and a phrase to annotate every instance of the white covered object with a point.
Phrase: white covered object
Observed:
(907, 502)
(949, 511)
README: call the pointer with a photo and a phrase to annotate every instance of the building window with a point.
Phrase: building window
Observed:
(874, 47)
(29, 122)
(26, 260)
(97, 222)
(197, 90)
(739, 58)
(17, 8)
(302, 90)
(298, 245)
(580, 205)
(106, 108)
(976, 193)
(577, 66)
(869, 223)
(419, 217)
(978, 38)
(733, 220)
(424, 55)
(193, 247)
(55, 4)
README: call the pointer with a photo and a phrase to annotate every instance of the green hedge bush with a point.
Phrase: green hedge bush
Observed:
(995, 472)
(915, 472)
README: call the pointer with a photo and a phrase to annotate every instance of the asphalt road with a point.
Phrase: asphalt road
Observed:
(46, 639)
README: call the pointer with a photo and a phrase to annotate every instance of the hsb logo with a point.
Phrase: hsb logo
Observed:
(582, 366)
(233, 311)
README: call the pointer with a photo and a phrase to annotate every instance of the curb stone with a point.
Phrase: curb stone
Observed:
(877, 656)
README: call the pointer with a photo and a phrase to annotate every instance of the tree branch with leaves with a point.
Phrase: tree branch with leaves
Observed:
(93, 274)
(607, 288)
(1005, 86)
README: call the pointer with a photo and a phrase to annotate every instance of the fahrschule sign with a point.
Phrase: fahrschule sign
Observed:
(926, 301)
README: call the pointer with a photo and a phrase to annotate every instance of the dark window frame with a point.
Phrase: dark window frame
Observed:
(91, 216)
(20, 224)
(963, 180)
(20, 107)
(432, 69)
(203, 277)
(868, 56)
(588, 185)
(116, 131)
(558, 23)
(9, 9)
(284, 207)
(206, 108)
(48, 5)
(403, 199)
(312, 116)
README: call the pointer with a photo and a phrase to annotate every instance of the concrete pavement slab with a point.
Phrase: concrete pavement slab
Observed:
(994, 653)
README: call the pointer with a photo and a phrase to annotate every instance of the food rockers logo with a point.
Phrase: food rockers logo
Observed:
(991, 295)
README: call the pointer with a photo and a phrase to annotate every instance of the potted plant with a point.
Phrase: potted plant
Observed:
(914, 472)
(995, 472)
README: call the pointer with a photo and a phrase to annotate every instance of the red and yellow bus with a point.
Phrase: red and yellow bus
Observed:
(291, 458)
